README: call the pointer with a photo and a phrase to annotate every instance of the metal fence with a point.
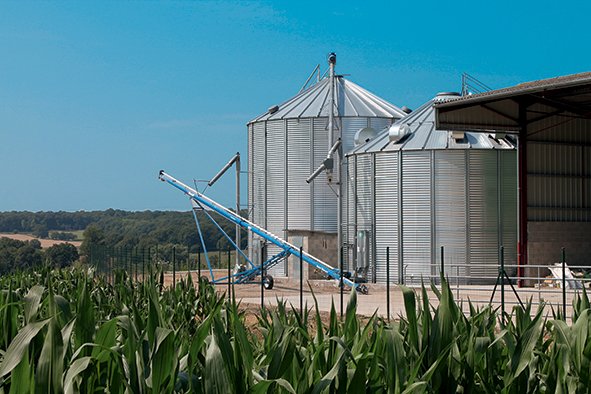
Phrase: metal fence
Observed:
(140, 261)
(502, 287)
(508, 285)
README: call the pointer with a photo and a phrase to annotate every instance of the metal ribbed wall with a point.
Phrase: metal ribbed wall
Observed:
(450, 213)
(386, 214)
(258, 168)
(508, 207)
(416, 214)
(324, 203)
(483, 220)
(275, 196)
(559, 173)
(464, 200)
(282, 155)
(299, 133)
(349, 222)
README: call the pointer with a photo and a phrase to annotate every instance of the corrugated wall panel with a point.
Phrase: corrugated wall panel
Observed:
(450, 211)
(556, 182)
(276, 187)
(350, 126)
(483, 215)
(508, 214)
(298, 169)
(364, 201)
(379, 124)
(416, 214)
(386, 217)
(258, 174)
(349, 213)
(325, 202)
(250, 185)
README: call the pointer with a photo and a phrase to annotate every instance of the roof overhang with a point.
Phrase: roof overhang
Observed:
(510, 109)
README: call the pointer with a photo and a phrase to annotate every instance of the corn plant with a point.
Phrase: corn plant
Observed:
(72, 331)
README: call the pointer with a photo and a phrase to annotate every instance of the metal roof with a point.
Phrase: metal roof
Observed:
(561, 97)
(424, 135)
(351, 100)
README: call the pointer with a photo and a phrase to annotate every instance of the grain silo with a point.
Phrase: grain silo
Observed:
(287, 143)
(414, 188)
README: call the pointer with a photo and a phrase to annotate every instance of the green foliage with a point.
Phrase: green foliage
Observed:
(70, 331)
(61, 255)
(15, 255)
(122, 229)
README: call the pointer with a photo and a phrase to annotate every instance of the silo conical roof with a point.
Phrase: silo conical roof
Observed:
(423, 135)
(351, 100)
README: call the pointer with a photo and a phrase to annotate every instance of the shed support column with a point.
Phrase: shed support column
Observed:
(522, 190)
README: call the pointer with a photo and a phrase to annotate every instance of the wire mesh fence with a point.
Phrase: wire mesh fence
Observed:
(498, 284)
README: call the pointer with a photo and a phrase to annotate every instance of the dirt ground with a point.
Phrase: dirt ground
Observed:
(45, 243)
(328, 295)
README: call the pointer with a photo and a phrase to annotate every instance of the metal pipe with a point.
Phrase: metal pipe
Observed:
(234, 159)
(502, 278)
(238, 240)
(305, 85)
(173, 267)
(563, 258)
(522, 193)
(442, 263)
(341, 286)
(388, 282)
(301, 283)
(332, 60)
(262, 278)
(316, 173)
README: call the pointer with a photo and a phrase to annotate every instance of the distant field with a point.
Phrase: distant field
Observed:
(45, 243)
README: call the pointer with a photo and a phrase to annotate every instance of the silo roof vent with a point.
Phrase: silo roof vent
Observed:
(397, 132)
(364, 135)
(444, 96)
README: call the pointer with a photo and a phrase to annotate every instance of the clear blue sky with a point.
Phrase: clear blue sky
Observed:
(96, 97)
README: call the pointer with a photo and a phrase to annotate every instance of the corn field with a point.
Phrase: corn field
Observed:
(71, 331)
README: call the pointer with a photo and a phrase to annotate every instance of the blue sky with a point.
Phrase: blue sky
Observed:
(96, 97)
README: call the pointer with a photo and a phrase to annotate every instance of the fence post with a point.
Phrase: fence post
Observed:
(189, 261)
(173, 267)
(388, 281)
(262, 278)
(229, 279)
(198, 264)
(301, 283)
(502, 278)
(563, 258)
(341, 279)
(400, 272)
(442, 263)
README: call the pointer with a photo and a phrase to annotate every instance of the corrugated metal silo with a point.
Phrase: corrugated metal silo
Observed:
(289, 141)
(414, 188)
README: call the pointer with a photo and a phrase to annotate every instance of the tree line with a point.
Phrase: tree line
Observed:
(118, 228)
(20, 255)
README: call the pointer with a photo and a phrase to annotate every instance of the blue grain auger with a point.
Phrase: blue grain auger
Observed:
(249, 272)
